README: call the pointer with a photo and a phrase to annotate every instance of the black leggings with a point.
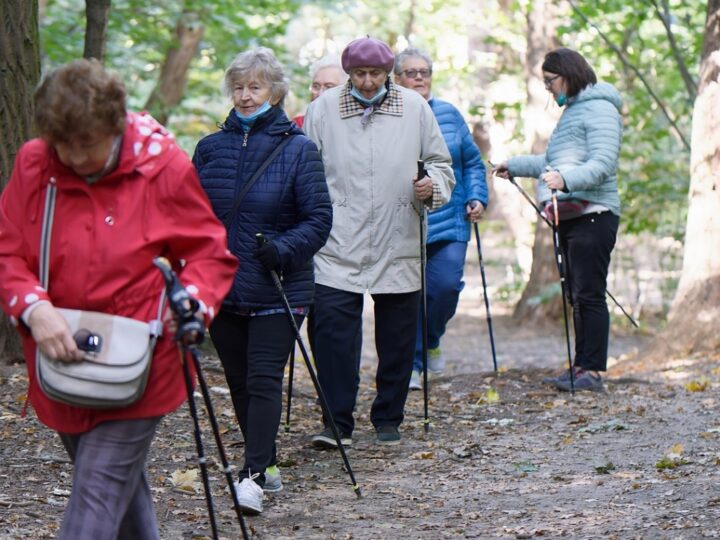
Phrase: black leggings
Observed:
(587, 243)
(253, 352)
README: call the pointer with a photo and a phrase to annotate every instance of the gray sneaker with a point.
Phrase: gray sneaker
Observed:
(273, 481)
(326, 440)
(584, 380)
(564, 376)
(415, 383)
(436, 361)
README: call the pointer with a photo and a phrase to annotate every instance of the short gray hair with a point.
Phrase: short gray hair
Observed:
(327, 61)
(262, 63)
(409, 53)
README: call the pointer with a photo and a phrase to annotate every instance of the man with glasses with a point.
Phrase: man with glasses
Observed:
(325, 74)
(448, 226)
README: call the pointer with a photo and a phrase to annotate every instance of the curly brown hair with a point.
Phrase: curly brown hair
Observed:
(79, 100)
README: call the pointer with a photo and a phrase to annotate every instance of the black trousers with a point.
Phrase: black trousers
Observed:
(338, 344)
(253, 352)
(587, 243)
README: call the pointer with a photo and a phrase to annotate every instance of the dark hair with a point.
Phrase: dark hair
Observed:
(79, 99)
(572, 66)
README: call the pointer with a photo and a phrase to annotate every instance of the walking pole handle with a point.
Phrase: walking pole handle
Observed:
(421, 172)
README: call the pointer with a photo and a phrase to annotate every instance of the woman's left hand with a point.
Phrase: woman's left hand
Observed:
(474, 211)
(553, 180)
(423, 188)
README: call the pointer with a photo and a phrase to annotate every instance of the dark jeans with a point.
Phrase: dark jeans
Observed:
(338, 325)
(253, 352)
(443, 278)
(587, 242)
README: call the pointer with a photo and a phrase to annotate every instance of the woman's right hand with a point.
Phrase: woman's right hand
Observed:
(52, 334)
(502, 170)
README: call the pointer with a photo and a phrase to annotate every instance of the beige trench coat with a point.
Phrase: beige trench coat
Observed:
(374, 243)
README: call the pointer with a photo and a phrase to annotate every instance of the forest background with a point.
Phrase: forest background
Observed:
(662, 55)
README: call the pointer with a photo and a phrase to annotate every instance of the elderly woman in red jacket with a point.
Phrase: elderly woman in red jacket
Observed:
(125, 194)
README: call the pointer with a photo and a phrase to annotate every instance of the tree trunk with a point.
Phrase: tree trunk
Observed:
(20, 61)
(96, 12)
(693, 318)
(539, 124)
(173, 76)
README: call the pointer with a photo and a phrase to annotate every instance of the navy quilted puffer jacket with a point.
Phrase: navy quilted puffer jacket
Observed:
(289, 204)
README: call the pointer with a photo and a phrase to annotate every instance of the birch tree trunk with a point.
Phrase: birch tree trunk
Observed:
(694, 318)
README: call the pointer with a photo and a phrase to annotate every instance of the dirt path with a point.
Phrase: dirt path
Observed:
(506, 457)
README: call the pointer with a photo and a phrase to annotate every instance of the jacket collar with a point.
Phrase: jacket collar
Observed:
(392, 104)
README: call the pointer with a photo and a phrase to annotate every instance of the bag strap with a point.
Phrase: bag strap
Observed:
(44, 258)
(228, 219)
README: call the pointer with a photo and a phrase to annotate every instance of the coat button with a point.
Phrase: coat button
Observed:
(109, 221)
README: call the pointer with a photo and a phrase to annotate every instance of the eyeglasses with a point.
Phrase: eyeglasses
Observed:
(412, 73)
(548, 81)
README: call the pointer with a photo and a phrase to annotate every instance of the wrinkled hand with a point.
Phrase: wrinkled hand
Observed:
(423, 188)
(502, 170)
(171, 323)
(52, 334)
(268, 255)
(553, 180)
(474, 211)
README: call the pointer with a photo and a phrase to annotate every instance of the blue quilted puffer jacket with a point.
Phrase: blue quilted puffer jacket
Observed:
(448, 223)
(289, 204)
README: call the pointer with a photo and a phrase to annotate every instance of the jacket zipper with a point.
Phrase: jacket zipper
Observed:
(245, 138)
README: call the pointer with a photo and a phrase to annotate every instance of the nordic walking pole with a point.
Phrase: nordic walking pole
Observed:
(421, 172)
(260, 239)
(218, 440)
(563, 286)
(485, 293)
(190, 333)
(549, 224)
(289, 389)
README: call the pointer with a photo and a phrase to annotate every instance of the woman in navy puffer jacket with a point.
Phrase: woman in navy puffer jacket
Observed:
(289, 204)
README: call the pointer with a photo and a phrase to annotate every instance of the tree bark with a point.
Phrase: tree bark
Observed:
(96, 13)
(539, 124)
(19, 74)
(173, 77)
(693, 318)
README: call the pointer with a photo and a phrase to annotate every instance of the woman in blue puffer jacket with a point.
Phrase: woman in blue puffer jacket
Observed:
(448, 231)
(289, 204)
(581, 164)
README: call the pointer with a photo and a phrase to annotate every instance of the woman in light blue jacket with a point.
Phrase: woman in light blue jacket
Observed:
(581, 164)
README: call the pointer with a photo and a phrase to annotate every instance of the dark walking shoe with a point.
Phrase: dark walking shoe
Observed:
(584, 380)
(564, 376)
(326, 440)
(388, 435)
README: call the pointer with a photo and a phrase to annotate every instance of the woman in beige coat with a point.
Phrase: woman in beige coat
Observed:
(371, 133)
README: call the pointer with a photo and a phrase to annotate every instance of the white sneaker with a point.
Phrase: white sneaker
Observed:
(273, 481)
(415, 383)
(436, 362)
(249, 496)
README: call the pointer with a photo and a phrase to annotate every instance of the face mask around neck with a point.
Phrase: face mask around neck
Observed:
(265, 107)
(354, 92)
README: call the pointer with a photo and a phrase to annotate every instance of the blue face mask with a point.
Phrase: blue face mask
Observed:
(561, 99)
(262, 109)
(354, 92)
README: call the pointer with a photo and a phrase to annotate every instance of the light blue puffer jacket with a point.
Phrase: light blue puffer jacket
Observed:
(448, 223)
(584, 148)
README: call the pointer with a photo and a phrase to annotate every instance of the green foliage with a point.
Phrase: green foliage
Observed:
(654, 165)
(140, 34)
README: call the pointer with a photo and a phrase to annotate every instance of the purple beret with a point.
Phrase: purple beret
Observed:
(367, 52)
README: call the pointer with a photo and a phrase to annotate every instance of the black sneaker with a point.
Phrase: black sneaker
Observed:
(326, 440)
(388, 435)
(584, 380)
